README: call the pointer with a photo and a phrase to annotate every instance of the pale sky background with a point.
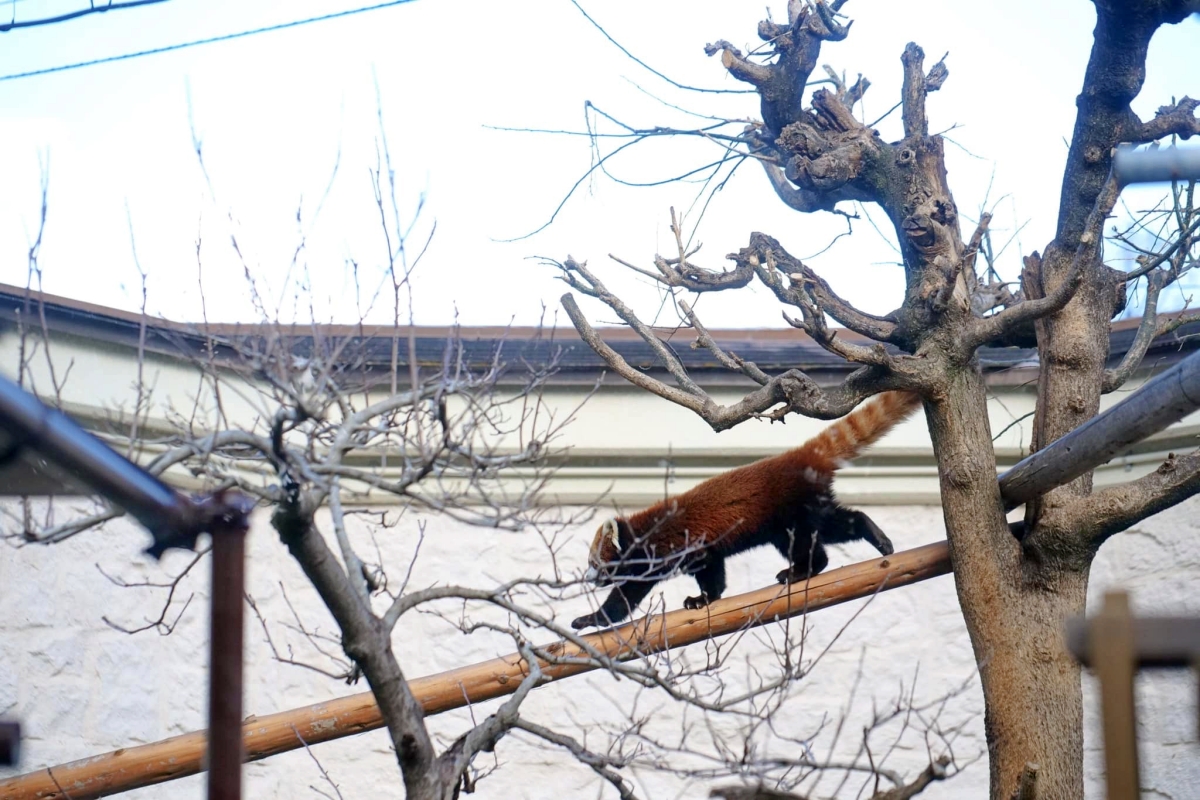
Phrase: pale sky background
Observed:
(277, 111)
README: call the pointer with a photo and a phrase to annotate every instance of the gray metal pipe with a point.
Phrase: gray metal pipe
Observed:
(1157, 165)
(1165, 399)
(172, 519)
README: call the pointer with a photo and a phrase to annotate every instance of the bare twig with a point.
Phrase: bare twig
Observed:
(997, 325)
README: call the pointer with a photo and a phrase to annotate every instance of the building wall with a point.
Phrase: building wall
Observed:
(82, 688)
(624, 444)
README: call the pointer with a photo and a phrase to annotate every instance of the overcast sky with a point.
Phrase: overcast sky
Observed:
(288, 122)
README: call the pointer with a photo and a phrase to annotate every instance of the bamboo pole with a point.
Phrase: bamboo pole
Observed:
(180, 756)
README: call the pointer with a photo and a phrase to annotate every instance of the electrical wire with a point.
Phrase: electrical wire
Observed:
(5, 27)
(223, 38)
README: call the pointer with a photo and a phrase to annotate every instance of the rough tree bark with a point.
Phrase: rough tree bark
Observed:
(1048, 582)
(1015, 590)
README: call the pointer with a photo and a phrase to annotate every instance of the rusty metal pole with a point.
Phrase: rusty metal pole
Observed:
(174, 520)
(227, 616)
(10, 743)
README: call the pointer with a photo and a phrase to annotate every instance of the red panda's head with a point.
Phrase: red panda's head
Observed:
(607, 549)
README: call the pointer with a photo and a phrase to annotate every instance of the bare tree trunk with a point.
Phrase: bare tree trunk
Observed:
(366, 641)
(1014, 616)
(1032, 687)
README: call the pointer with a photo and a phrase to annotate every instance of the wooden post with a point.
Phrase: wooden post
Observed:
(180, 756)
(1115, 664)
(1116, 645)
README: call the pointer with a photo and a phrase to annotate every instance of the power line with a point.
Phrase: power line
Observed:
(223, 38)
(5, 27)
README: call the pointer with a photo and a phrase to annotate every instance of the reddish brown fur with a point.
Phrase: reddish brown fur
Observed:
(786, 501)
(743, 498)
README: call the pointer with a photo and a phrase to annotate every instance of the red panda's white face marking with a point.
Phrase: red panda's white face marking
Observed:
(605, 552)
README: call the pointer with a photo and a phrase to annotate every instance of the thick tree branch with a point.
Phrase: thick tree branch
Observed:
(365, 642)
(804, 200)
(913, 93)
(355, 569)
(765, 251)
(829, 28)
(1117, 508)
(972, 252)
(757, 75)
(1115, 73)
(1178, 119)
(797, 47)
(794, 390)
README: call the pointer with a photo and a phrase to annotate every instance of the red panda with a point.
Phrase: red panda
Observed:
(786, 501)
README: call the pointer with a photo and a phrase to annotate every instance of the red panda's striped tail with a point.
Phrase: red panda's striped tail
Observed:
(864, 426)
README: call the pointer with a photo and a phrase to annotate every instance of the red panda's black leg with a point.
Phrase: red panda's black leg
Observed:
(806, 558)
(873, 534)
(846, 525)
(711, 580)
(621, 602)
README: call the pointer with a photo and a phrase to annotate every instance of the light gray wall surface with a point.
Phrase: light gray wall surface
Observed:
(82, 688)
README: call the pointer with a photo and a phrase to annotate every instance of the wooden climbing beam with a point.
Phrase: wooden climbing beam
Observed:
(180, 756)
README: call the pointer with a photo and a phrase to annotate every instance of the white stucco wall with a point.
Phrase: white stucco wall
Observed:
(81, 688)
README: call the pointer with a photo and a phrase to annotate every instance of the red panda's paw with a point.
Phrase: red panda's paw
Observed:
(787, 576)
(588, 621)
(867, 529)
(699, 601)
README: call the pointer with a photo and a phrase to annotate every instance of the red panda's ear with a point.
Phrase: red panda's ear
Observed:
(612, 532)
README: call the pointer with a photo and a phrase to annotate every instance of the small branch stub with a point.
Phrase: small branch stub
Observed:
(1027, 788)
